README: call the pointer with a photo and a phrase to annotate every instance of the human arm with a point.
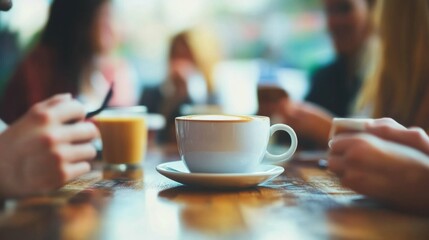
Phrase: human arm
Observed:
(308, 121)
(46, 148)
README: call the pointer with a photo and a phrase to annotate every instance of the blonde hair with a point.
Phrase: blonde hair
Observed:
(207, 52)
(399, 86)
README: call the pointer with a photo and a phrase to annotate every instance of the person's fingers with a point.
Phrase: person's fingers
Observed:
(81, 132)
(353, 179)
(336, 164)
(76, 152)
(295, 116)
(52, 169)
(57, 110)
(390, 130)
(361, 151)
(77, 133)
(421, 139)
(74, 170)
(295, 110)
(414, 137)
(386, 129)
(348, 158)
(68, 111)
(370, 183)
(57, 99)
(382, 123)
(340, 143)
(285, 105)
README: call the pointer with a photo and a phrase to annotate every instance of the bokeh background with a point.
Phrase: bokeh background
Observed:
(262, 41)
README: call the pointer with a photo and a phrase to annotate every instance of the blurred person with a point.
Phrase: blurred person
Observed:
(47, 147)
(334, 87)
(390, 162)
(71, 56)
(5, 5)
(400, 81)
(387, 162)
(192, 57)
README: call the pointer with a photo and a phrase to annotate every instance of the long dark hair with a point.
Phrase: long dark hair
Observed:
(68, 34)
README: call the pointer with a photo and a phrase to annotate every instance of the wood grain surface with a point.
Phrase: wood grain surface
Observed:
(305, 202)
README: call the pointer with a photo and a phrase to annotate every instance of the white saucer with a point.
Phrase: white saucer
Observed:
(178, 172)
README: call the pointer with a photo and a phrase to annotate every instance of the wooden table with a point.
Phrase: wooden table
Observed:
(303, 203)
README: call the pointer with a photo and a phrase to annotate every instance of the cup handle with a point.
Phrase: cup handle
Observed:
(271, 158)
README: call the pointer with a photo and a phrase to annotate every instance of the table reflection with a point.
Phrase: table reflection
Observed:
(305, 202)
(131, 172)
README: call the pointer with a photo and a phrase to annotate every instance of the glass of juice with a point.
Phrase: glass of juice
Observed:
(124, 136)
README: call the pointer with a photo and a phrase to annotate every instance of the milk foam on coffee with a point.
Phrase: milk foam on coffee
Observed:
(215, 118)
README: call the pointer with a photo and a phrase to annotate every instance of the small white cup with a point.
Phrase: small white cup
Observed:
(348, 125)
(228, 144)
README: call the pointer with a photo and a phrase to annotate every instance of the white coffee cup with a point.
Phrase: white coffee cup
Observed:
(228, 144)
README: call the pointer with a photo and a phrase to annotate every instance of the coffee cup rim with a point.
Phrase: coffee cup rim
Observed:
(233, 118)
